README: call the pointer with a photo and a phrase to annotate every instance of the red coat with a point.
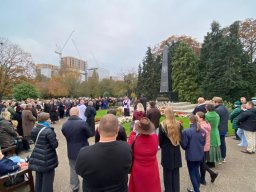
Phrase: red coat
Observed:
(145, 173)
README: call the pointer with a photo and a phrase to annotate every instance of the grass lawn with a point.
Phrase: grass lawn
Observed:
(100, 113)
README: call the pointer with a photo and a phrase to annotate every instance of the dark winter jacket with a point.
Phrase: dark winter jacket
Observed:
(44, 157)
(247, 120)
(170, 154)
(234, 117)
(76, 131)
(90, 113)
(193, 143)
(7, 134)
(224, 117)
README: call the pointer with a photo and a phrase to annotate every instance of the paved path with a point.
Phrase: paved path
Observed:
(238, 174)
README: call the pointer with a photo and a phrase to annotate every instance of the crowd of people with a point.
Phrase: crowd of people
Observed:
(105, 165)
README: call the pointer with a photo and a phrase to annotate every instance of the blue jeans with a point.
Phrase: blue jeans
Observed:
(240, 133)
(193, 169)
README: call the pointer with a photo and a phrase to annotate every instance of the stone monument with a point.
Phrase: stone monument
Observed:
(166, 93)
(164, 86)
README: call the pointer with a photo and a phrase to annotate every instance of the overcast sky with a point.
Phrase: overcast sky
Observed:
(111, 34)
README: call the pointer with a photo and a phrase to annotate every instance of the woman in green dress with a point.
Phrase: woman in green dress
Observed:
(213, 118)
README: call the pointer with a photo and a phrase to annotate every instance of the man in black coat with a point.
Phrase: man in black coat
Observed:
(76, 132)
(247, 122)
(143, 101)
(105, 165)
(90, 113)
(223, 125)
(154, 114)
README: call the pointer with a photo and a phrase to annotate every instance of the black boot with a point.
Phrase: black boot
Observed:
(214, 176)
(203, 182)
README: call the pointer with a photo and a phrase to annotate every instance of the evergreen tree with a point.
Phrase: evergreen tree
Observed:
(233, 58)
(184, 73)
(211, 66)
(149, 75)
(222, 64)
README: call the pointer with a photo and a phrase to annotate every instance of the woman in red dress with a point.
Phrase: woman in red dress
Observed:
(144, 171)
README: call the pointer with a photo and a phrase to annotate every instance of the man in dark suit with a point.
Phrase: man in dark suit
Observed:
(76, 132)
(223, 125)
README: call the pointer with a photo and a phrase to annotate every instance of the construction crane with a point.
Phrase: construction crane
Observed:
(73, 41)
(60, 49)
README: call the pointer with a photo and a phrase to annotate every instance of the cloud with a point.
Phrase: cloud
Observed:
(111, 34)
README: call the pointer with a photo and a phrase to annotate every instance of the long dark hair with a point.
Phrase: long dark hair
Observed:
(193, 119)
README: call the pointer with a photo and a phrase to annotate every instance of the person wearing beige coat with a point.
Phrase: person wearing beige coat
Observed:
(28, 121)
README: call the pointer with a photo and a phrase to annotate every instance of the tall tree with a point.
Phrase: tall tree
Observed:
(221, 64)
(72, 82)
(130, 82)
(15, 66)
(248, 37)
(56, 87)
(233, 58)
(106, 85)
(211, 66)
(185, 73)
(149, 75)
(93, 85)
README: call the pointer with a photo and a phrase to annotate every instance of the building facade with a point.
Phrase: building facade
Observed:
(47, 70)
(72, 64)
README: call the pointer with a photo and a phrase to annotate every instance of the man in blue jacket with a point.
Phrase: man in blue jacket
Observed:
(76, 132)
(223, 125)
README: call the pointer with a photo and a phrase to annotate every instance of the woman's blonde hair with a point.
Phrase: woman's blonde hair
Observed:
(6, 115)
(140, 107)
(171, 126)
